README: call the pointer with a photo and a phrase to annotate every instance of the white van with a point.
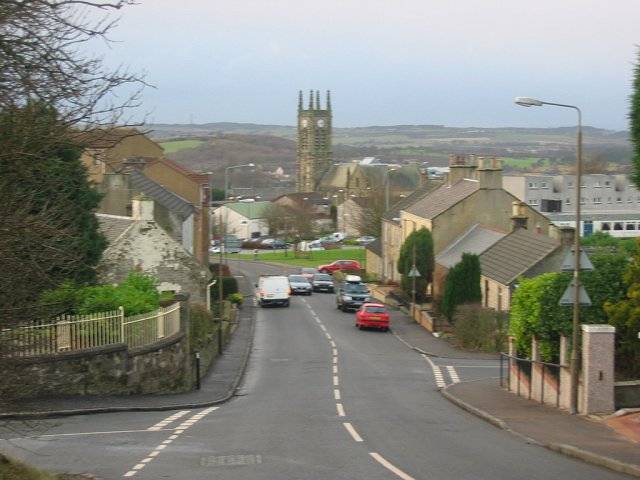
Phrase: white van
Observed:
(273, 290)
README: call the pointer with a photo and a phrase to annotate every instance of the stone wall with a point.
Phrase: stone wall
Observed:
(164, 367)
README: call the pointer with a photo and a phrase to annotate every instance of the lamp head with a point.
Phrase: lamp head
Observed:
(528, 102)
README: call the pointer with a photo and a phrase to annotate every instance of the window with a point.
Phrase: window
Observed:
(606, 226)
(597, 200)
(618, 199)
(630, 226)
(533, 185)
(617, 226)
(543, 185)
(567, 201)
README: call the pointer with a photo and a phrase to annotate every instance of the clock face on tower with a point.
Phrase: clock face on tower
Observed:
(320, 123)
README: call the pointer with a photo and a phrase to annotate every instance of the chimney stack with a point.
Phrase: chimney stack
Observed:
(142, 208)
(519, 217)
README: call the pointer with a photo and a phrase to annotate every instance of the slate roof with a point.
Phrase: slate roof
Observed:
(112, 226)
(442, 199)
(405, 203)
(171, 201)
(475, 240)
(375, 247)
(515, 254)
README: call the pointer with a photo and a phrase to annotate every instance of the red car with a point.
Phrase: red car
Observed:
(339, 265)
(372, 315)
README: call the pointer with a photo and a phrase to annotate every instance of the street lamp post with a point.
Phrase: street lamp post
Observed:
(575, 370)
(386, 187)
(223, 241)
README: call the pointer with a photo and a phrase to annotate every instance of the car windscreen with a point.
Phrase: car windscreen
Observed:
(351, 288)
(323, 276)
(298, 278)
(375, 310)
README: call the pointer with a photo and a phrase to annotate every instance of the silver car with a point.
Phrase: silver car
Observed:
(300, 285)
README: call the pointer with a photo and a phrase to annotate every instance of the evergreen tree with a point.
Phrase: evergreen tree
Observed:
(424, 261)
(50, 232)
(634, 123)
(462, 285)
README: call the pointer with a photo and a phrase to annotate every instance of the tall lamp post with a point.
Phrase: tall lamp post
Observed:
(575, 370)
(223, 242)
(386, 186)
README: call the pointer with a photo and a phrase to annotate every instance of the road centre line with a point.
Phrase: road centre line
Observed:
(352, 432)
(340, 409)
(336, 381)
(335, 369)
(389, 466)
(336, 394)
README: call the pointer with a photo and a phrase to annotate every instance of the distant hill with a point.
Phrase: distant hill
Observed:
(273, 146)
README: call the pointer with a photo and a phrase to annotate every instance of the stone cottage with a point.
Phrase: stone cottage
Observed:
(139, 244)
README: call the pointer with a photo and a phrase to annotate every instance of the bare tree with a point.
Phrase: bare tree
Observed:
(41, 59)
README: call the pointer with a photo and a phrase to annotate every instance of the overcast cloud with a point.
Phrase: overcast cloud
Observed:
(386, 62)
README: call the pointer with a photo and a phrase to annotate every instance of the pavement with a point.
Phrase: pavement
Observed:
(612, 442)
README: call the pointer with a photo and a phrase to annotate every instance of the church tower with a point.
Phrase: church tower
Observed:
(314, 153)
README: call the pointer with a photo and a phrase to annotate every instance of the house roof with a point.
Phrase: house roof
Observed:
(171, 201)
(298, 198)
(112, 226)
(442, 199)
(198, 178)
(251, 210)
(405, 203)
(515, 254)
(375, 247)
(100, 138)
(475, 240)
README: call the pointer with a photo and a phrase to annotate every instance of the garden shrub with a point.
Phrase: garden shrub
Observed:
(235, 298)
(201, 326)
(481, 329)
(229, 287)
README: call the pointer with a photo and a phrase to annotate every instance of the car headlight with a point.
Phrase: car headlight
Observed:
(347, 298)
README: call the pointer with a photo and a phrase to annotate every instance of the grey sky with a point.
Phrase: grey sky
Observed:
(386, 62)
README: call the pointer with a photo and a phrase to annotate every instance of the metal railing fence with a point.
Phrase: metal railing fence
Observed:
(75, 332)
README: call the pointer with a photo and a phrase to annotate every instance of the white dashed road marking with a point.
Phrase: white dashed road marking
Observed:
(176, 433)
(340, 407)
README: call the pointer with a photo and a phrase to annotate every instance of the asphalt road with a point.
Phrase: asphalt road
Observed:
(320, 400)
